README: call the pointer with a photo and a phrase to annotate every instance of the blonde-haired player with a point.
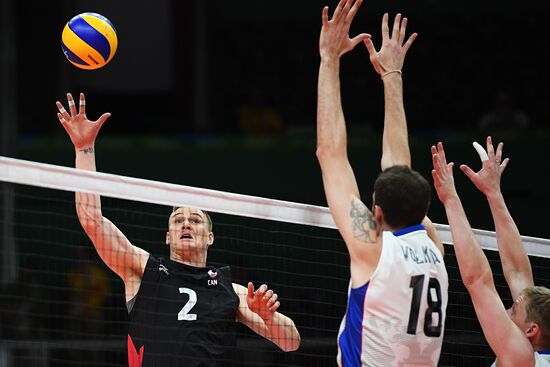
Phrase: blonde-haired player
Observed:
(519, 336)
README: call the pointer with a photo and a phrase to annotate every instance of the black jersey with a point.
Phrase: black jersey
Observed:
(182, 316)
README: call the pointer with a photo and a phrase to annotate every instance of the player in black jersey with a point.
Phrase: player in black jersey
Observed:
(182, 312)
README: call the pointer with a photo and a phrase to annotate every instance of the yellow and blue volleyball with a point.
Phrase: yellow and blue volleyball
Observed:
(89, 41)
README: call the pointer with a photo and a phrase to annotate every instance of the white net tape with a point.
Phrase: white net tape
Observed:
(148, 191)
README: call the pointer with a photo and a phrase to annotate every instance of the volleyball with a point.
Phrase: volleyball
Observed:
(89, 41)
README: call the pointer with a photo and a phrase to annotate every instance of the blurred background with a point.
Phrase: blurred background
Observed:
(222, 95)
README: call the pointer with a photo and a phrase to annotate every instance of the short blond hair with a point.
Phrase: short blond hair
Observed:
(209, 224)
(538, 310)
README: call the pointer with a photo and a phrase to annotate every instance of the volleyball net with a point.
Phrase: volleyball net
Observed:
(60, 305)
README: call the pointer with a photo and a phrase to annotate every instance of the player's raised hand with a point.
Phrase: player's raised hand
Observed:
(82, 131)
(442, 174)
(263, 301)
(334, 40)
(394, 48)
(487, 179)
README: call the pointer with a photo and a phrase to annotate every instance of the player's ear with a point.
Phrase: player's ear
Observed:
(532, 329)
(210, 238)
(167, 238)
(378, 213)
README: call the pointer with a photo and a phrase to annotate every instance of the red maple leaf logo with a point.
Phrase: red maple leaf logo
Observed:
(135, 358)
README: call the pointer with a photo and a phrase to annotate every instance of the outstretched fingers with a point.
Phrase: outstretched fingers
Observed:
(324, 16)
(470, 173)
(370, 47)
(363, 37)
(65, 117)
(437, 168)
(480, 151)
(353, 10)
(396, 31)
(70, 101)
(409, 42)
(346, 9)
(491, 150)
(441, 152)
(498, 157)
(101, 120)
(62, 120)
(338, 10)
(439, 161)
(82, 104)
(385, 28)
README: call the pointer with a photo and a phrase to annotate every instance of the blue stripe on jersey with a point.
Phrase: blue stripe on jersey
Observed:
(91, 36)
(544, 352)
(350, 339)
(410, 229)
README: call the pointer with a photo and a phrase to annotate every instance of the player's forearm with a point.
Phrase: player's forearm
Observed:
(283, 332)
(472, 262)
(395, 143)
(88, 206)
(85, 158)
(331, 129)
(433, 234)
(514, 259)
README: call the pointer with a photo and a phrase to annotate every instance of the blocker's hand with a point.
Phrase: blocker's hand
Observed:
(263, 301)
(487, 179)
(334, 40)
(442, 174)
(82, 131)
(391, 55)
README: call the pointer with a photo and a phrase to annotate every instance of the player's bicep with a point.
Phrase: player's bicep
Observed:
(505, 339)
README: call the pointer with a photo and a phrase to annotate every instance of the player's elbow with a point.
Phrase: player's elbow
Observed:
(88, 213)
(327, 152)
(292, 344)
(389, 160)
(91, 220)
(322, 152)
(477, 278)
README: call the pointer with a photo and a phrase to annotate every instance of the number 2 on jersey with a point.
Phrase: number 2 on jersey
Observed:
(434, 306)
(184, 312)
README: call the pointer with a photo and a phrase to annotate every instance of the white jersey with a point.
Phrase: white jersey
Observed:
(397, 318)
(542, 359)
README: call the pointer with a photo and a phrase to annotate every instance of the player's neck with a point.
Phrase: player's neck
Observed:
(191, 258)
(537, 344)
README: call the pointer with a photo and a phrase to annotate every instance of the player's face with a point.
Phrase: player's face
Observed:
(188, 228)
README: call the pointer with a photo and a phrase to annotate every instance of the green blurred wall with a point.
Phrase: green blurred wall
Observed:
(286, 168)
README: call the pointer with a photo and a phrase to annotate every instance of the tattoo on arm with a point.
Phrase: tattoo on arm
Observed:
(89, 150)
(362, 221)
